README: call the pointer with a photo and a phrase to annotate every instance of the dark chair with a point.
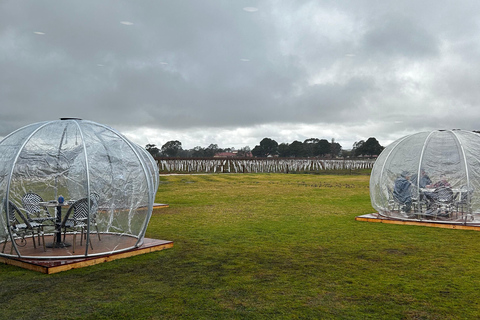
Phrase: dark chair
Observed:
(419, 201)
(36, 212)
(77, 218)
(393, 204)
(21, 228)
(443, 200)
(463, 201)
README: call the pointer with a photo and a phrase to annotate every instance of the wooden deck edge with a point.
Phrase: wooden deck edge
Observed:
(418, 223)
(94, 261)
(23, 264)
(160, 205)
(83, 263)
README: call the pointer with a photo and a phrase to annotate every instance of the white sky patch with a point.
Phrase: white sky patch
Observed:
(308, 25)
(335, 73)
(240, 137)
(127, 23)
(250, 9)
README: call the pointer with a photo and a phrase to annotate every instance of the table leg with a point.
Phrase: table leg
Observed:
(58, 224)
(57, 242)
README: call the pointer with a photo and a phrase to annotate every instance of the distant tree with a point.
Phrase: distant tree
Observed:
(335, 148)
(152, 149)
(346, 153)
(185, 153)
(323, 148)
(283, 150)
(171, 148)
(243, 152)
(211, 150)
(310, 147)
(198, 152)
(267, 147)
(296, 149)
(370, 147)
(358, 148)
(258, 152)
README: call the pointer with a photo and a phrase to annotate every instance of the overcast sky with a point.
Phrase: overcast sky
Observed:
(232, 72)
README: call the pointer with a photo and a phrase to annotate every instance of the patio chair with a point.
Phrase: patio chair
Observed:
(21, 228)
(463, 201)
(444, 201)
(36, 212)
(419, 201)
(77, 219)
(393, 204)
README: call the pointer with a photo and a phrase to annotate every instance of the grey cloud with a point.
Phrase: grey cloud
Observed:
(210, 65)
(400, 36)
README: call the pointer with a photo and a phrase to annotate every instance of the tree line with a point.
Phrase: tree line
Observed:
(174, 148)
(313, 147)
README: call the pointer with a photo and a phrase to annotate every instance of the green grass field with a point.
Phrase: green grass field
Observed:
(265, 246)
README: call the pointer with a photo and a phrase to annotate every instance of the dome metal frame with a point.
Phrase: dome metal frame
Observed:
(78, 159)
(429, 176)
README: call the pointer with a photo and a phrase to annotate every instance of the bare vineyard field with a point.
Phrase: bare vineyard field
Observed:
(260, 165)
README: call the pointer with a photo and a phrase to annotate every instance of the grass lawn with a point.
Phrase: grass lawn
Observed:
(265, 246)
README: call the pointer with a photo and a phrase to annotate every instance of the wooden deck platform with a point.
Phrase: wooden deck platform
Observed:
(50, 266)
(375, 217)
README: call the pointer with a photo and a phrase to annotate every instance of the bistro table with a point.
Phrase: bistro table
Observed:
(57, 242)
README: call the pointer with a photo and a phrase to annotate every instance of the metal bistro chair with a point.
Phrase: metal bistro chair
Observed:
(77, 219)
(463, 203)
(21, 228)
(444, 201)
(393, 204)
(36, 212)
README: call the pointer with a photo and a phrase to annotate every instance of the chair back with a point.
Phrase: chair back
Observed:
(465, 194)
(78, 211)
(12, 212)
(444, 194)
(31, 203)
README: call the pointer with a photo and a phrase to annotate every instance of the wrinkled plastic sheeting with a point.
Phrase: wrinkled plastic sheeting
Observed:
(77, 159)
(452, 153)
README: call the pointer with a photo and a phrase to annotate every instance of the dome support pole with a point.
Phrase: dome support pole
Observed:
(87, 242)
(7, 198)
(466, 172)
(383, 167)
(151, 194)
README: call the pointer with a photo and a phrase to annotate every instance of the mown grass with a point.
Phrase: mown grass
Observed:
(265, 246)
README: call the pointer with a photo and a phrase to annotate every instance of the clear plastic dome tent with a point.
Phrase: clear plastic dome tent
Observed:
(107, 185)
(432, 176)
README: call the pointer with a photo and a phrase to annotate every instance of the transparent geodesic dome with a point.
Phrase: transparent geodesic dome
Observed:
(432, 176)
(93, 168)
